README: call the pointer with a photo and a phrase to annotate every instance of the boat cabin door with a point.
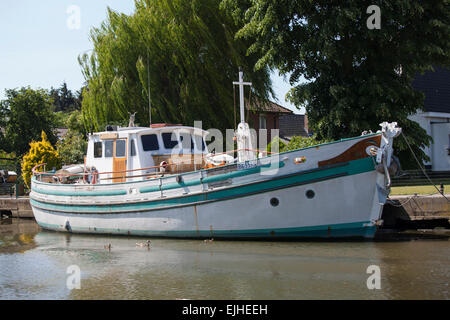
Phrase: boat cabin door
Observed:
(120, 161)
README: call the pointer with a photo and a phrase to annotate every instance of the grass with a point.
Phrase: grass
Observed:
(423, 190)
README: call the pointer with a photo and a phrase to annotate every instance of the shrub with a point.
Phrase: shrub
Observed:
(40, 152)
(294, 144)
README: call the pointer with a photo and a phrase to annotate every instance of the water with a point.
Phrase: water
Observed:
(33, 265)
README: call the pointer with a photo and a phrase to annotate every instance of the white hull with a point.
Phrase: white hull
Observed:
(337, 210)
(347, 202)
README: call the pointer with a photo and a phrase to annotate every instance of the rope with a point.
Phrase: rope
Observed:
(423, 170)
(401, 204)
(248, 108)
(234, 104)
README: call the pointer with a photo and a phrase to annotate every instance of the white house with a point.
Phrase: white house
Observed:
(436, 117)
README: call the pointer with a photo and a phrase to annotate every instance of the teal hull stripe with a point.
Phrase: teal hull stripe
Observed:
(353, 167)
(355, 229)
(73, 193)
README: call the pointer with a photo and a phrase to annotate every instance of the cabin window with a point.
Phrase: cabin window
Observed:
(186, 141)
(98, 150)
(132, 148)
(199, 142)
(120, 148)
(170, 140)
(109, 148)
(150, 142)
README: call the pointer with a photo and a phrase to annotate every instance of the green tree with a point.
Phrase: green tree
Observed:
(64, 100)
(72, 148)
(188, 49)
(25, 113)
(356, 77)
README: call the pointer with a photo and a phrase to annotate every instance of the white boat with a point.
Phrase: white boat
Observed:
(151, 182)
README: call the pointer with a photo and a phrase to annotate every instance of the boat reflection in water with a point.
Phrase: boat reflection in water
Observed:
(195, 269)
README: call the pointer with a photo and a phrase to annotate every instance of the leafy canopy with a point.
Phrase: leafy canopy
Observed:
(187, 49)
(356, 78)
(24, 114)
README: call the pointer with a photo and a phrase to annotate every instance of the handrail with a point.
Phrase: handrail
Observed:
(37, 173)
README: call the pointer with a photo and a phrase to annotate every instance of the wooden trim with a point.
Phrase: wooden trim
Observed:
(355, 152)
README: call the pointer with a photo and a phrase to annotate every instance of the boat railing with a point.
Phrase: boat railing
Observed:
(39, 174)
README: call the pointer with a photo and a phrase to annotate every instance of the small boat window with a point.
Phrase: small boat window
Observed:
(109, 148)
(120, 148)
(186, 141)
(199, 142)
(170, 140)
(98, 150)
(132, 148)
(150, 142)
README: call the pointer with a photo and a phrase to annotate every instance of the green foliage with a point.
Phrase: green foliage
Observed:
(190, 51)
(356, 78)
(277, 145)
(24, 114)
(294, 144)
(40, 152)
(64, 100)
(6, 164)
(72, 148)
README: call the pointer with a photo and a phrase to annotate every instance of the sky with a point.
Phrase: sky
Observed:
(40, 42)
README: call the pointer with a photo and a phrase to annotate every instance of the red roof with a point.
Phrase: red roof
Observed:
(267, 106)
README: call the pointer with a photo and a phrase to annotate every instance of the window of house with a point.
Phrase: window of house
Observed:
(98, 149)
(109, 148)
(132, 148)
(150, 142)
(120, 148)
(170, 140)
(262, 121)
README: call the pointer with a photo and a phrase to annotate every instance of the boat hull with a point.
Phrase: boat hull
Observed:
(339, 209)
(290, 200)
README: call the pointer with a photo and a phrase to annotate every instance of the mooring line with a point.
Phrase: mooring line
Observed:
(423, 170)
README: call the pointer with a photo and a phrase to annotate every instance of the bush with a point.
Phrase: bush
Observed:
(40, 152)
(295, 143)
(72, 148)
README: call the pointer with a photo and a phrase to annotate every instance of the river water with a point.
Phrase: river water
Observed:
(34, 265)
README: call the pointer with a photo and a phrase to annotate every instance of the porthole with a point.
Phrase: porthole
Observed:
(274, 202)
(310, 194)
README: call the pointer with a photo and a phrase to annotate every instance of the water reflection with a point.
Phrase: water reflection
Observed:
(189, 269)
(17, 235)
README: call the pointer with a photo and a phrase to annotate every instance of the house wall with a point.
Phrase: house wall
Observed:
(272, 122)
(437, 125)
(441, 136)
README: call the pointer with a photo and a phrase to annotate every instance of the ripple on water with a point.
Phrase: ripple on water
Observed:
(189, 269)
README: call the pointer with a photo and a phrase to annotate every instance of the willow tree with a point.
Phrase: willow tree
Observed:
(358, 62)
(184, 51)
